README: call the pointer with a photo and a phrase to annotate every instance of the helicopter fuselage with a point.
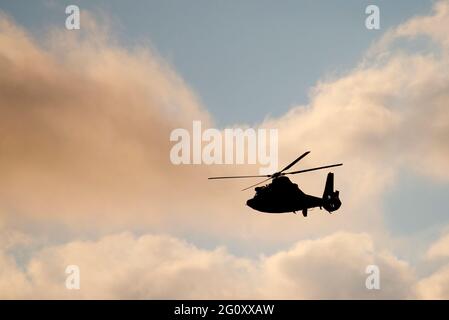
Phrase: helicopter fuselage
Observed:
(282, 196)
(298, 203)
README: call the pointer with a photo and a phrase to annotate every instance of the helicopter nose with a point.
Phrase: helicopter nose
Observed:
(250, 203)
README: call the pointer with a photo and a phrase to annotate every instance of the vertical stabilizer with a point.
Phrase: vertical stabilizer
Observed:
(331, 201)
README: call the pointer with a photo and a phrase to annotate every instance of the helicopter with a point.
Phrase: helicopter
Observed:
(284, 196)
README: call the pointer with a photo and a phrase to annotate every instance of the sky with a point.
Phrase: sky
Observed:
(268, 54)
(86, 117)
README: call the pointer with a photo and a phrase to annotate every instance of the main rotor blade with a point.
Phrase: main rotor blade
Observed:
(234, 177)
(256, 184)
(313, 169)
(294, 162)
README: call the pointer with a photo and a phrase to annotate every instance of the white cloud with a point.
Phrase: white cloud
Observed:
(435, 286)
(127, 267)
(440, 248)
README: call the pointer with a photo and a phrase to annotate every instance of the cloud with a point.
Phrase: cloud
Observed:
(436, 284)
(386, 116)
(85, 127)
(122, 266)
(433, 26)
(440, 248)
(389, 111)
(334, 267)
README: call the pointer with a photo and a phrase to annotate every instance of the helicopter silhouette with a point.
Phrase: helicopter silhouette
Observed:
(282, 195)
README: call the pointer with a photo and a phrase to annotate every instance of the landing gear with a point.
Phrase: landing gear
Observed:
(304, 212)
